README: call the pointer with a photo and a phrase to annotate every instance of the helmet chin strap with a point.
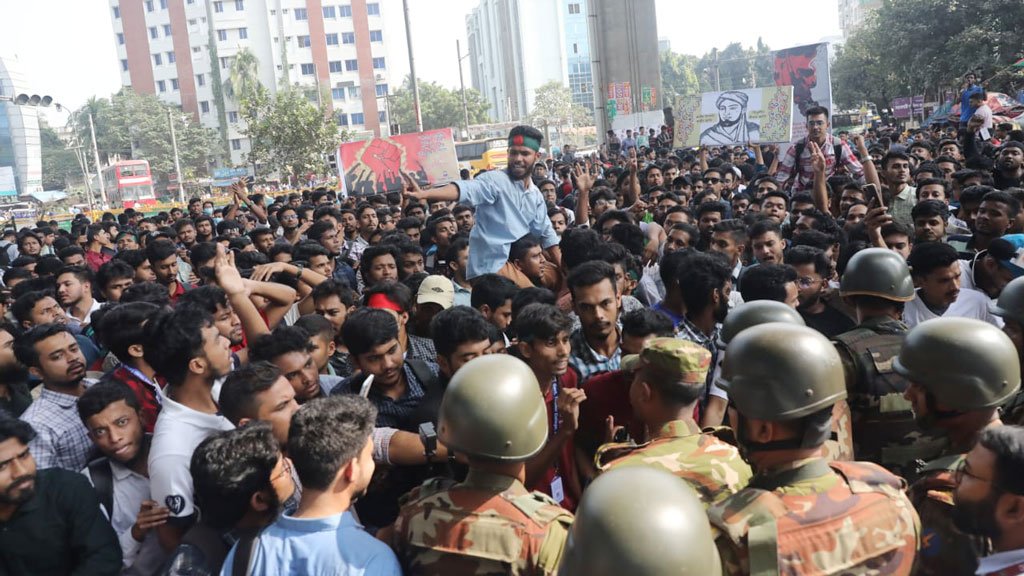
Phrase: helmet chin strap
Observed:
(817, 428)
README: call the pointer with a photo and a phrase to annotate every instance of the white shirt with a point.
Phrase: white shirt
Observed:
(178, 431)
(130, 490)
(968, 304)
(75, 324)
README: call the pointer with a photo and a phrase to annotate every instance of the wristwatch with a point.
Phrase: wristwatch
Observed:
(429, 438)
(298, 271)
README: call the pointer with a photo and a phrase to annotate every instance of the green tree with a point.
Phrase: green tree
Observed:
(439, 107)
(60, 166)
(678, 76)
(552, 103)
(244, 76)
(216, 82)
(288, 133)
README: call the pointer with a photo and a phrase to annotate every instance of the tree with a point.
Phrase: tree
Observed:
(288, 133)
(734, 68)
(678, 76)
(216, 82)
(60, 166)
(552, 103)
(439, 107)
(244, 76)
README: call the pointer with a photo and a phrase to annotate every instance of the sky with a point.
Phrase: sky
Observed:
(73, 57)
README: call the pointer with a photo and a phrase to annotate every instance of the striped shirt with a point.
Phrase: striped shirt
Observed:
(586, 361)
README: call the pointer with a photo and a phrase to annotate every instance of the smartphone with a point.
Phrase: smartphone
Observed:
(248, 180)
(872, 191)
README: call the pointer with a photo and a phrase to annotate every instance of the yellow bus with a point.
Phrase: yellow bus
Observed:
(479, 155)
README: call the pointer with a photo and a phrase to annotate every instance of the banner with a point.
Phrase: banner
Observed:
(755, 115)
(622, 94)
(375, 166)
(901, 107)
(805, 68)
(223, 177)
(7, 183)
(917, 106)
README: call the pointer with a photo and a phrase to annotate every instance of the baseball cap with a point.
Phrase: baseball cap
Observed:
(436, 289)
(1009, 252)
(682, 360)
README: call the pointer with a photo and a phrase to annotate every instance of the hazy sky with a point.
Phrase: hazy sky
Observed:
(66, 47)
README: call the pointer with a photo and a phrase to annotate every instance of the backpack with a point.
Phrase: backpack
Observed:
(837, 149)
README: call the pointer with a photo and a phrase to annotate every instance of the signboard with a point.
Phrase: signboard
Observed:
(917, 105)
(901, 107)
(8, 186)
(622, 94)
(227, 176)
(376, 166)
(805, 68)
(756, 115)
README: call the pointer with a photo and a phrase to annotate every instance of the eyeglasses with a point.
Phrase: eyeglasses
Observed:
(806, 281)
(286, 468)
(961, 471)
(711, 180)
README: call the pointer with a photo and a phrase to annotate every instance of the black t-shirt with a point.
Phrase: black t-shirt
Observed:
(830, 322)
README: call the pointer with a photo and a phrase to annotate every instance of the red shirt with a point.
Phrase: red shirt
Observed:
(179, 289)
(149, 397)
(565, 464)
(607, 395)
(97, 259)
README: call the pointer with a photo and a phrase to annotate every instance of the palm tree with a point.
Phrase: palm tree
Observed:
(243, 77)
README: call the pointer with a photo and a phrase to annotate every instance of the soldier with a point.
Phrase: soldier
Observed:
(668, 380)
(1011, 308)
(876, 284)
(801, 513)
(960, 372)
(493, 413)
(632, 521)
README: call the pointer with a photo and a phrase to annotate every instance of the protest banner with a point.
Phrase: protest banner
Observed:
(756, 115)
(901, 107)
(806, 69)
(375, 166)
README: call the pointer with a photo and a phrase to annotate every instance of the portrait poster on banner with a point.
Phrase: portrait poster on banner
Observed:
(806, 69)
(375, 166)
(755, 115)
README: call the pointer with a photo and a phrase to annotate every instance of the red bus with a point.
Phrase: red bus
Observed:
(129, 183)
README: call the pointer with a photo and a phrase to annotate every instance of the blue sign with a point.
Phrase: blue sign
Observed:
(224, 173)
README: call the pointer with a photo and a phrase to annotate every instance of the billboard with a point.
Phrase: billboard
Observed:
(805, 68)
(755, 115)
(227, 176)
(901, 107)
(8, 187)
(375, 166)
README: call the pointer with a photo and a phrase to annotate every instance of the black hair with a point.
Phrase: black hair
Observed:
(590, 274)
(201, 254)
(82, 273)
(812, 238)
(396, 292)
(577, 244)
(520, 248)
(974, 194)
(13, 274)
(492, 290)
(238, 394)
(368, 328)
(620, 216)
(303, 251)
(1012, 203)
(706, 207)
(122, 326)
(134, 258)
(456, 326)
(182, 222)
(149, 292)
(409, 222)
(316, 325)
(816, 111)
(767, 282)
(541, 322)
(283, 340)
(800, 255)
(113, 270)
(668, 266)
(49, 265)
(929, 208)
(629, 236)
(160, 249)
(206, 298)
(25, 345)
(326, 434)
(173, 339)
(97, 397)
(734, 227)
(704, 274)
(334, 288)
(531, 295)
(371, 253)
(926, 257)
(1007, 444)
(274, 250)
(23, 304)
(11, 427)
(893, 155)
(646, 322)
(260, 231)
(318, 229)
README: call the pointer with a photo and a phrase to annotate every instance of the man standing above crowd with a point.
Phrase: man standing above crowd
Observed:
(797, 165)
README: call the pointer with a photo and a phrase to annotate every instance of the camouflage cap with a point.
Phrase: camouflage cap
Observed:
(687, 362)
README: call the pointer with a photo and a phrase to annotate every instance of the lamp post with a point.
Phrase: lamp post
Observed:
(462, 85)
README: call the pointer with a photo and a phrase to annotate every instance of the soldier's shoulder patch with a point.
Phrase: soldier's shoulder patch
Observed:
(540, 507)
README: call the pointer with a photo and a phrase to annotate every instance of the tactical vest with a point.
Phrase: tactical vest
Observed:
(884, 430)
(832, 532)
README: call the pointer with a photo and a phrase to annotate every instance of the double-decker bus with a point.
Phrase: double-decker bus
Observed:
(482, 154)
(129, 183)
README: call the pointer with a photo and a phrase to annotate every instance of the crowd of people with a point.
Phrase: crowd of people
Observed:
(800, 360)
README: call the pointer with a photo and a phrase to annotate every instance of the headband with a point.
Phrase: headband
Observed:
(381, 301)
(523, 140)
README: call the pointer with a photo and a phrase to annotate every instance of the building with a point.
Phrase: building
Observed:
(20, 153)
(171, 48)
(853, 12)
(664, 45)
(516, 46)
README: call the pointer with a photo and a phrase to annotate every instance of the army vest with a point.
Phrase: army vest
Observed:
(489, 524)
(836, 530)
(884, 430)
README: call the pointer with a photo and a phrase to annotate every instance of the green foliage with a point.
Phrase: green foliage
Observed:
(60, 166)
(287, 132)
(244, 76)
(678, 76)
(440, 107)
(737, 68)
(217, 83)
(552, 103)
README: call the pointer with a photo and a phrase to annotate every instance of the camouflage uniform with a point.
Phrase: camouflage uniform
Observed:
(489, 524)
(814, 517)
(711, 466)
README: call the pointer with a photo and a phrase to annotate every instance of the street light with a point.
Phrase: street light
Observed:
(30, 100)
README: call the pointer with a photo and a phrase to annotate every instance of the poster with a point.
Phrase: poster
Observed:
(375, 166)
(917, 105)
(805, 68)
(755, 115)
(227, 176)
(901, 107)
(622, 94)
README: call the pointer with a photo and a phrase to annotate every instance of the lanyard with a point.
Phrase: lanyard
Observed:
(554, 404)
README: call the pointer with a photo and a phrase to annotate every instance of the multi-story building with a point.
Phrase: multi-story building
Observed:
(171, 48)
(515, 47)
(853, 12)
(20, 151)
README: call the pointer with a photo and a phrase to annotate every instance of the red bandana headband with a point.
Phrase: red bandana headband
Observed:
(382, 302)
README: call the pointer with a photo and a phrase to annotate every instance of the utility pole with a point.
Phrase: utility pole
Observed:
(412, 70)
(718, 77)
(96, 157)
(177, 165)
(462, 85)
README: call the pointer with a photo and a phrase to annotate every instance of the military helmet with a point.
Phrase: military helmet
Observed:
(877, 272)
(493, 408)
(965, 364)
(640, 520)
(757, 312)
(781, 372)
(1011, 301)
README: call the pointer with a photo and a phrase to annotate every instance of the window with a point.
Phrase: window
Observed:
(124, 65)
(382, 116)
(342, 119)
(574, 8)
(158, 60)
(382, 89)
(308, 69)
(332, 39)
(222, 35)
(204, 107)
(163, 4)
(353, 92)
(117, 12)
(225, 61)
(153, 33)
(239, 5)
(120, 39)
(351, 65)
(575, 48)
(197, 49)
(378, 63)
(373, 9)
(149, 5)
(236, 144)
(233, 117)
(167, 29)
(192, 21)
(357, 118)
(345, 11)
(334, 66)
(174, 83)
(200, 80)
(243, 33)
(161, 86)
(376, 36)
(329, 12)
(303, 41)
(171, 58)
(300, 14)
(190, 2)
(337, 93)
(218, 6)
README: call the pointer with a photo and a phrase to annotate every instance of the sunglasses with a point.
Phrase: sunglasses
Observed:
(711, 180)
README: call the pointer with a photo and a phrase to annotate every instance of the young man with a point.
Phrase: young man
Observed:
(776, 282)
(994, 217)
(163, 257)
(333, 300)
(397, 300)
(525, 264)
(122, 331)
(40, 307)
(100, 249)
(140, 263)
(259, 392)
(729, 237)
(379, 264)
(289, 349)
(813, 270)
(112, 279)
(330, 446)
(767, 243)
(935, 268)
(597, 301)
(929, 221)
(321, 342)
(705, 293)
(458, 261)
(74, 289)
(492, 296)
(111, 413)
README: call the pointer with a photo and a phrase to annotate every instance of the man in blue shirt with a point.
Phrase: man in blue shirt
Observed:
(330, 447)
(509, 205)
(971, 88)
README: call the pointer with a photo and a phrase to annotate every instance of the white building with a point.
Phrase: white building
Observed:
(164, 49)
(853, 12)
(20, 151)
